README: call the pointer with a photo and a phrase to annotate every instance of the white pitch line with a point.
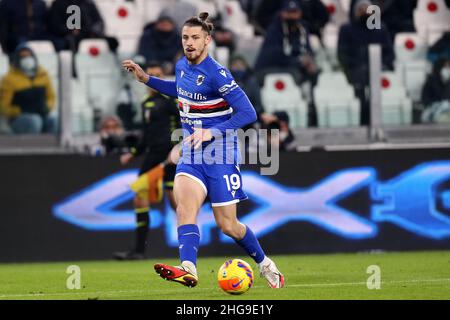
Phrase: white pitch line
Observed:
(159, 291)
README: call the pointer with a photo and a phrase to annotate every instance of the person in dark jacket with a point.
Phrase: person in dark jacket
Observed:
(315, 14)
(437, 85)
(287, 47)
(245, 78)
(440, 49)
(397, 15)
(92, 24)
(161, 42)
(353, 53)
(21, 21)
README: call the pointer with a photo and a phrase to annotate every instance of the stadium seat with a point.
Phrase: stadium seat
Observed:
(235, 19)
(249, 48)
(99, 74)
(431, 18)
(4, 64)
(330, 42)
(335, 101)
(346, 5)
(413, 75)
(338, 15)
(123, 20)
(82, 114)
(396, 106)
(223, 56)
(153, 8)
(205, 6)
(410, 46)
(281, 93)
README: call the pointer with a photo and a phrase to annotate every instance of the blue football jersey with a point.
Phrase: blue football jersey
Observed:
(205, 93)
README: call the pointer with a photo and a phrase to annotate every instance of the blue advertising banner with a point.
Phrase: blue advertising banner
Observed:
(75, 207)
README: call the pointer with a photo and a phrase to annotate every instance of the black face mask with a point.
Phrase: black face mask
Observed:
(291, 22)
(164, 34)
(363, 19)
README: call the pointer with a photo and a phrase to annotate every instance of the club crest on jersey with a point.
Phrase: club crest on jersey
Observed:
(222, 72)
(200, 79)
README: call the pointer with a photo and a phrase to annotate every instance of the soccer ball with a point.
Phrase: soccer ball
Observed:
(235, 276)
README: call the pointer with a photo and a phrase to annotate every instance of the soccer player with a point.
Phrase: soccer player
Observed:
(208, 96)
(160, 117)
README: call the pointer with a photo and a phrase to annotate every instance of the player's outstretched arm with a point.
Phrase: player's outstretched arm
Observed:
(168, 88)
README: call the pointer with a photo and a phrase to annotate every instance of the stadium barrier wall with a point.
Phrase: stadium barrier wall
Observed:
(69, 207)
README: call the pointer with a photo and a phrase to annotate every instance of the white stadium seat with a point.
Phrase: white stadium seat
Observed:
(4, 64)
(152, 9)
(335, 101)
(82, 113)
(99, 73)
(410, 46)
(249, 48)
(123, 20)
(432, 18)
(222, 55)
(281, 93)
(235, 19)
(396, 105)
(330, 40)
(338, 15)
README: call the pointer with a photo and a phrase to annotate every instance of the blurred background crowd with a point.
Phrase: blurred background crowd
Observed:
(303, 63)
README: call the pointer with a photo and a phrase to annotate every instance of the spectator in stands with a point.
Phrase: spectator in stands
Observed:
(245, 78)
(441, 49)
(436, 91)
(161, 42)
(92, 25)
(26, 95)
(224, 37)
(21, 21)
(287, 46)
(315, 15)
(114, 138)
(353, 53)
(284, 139)
(397, 15)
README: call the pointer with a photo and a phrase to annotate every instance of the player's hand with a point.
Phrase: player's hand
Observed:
(200, 135)
(126, 158)
(133, 67)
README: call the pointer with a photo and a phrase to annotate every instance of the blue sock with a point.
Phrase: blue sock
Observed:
(189, 240)
(251, 245)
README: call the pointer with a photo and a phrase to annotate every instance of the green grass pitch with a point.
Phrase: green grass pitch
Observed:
(407, 275)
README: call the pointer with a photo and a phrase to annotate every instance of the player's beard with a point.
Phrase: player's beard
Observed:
(195, 54)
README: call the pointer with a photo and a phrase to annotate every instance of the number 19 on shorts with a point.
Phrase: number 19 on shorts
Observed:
(233, 181)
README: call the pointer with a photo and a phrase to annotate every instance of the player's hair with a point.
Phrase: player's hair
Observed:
(201, 21)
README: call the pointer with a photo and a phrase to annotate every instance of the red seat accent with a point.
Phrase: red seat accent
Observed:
(432, 6)
(279, 85)
(122, 12)
(94, 51)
